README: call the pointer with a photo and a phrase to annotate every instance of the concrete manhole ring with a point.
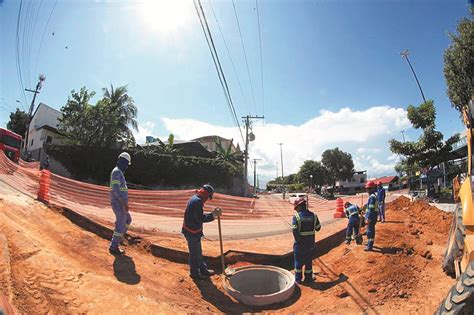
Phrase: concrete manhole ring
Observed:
(260, 285)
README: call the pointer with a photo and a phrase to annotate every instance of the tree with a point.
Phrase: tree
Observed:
(459, 64)
(167, 148)
(18, 122)
(315, 168)
(122, 107)
(429, 150)
(226, 154)
(339, 165)
(104, 124)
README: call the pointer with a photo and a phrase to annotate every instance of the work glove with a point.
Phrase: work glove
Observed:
(217, 212)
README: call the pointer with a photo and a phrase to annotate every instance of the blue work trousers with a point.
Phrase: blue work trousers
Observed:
(122, 223)
(303, 254)
(382, 211)
(371, 229)
(196, 261)
(352, 227)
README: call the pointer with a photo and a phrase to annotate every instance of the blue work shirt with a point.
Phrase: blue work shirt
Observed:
(352, 211)
(304, 224)
(194, 217)
(381, 195)
(372, 206)
(118, 187)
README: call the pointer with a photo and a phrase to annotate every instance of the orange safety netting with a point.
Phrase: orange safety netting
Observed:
(170, 203)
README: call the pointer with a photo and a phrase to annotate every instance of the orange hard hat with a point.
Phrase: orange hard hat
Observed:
(370, 184)
(298, 201)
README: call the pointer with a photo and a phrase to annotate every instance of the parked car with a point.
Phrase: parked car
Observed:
(293, 197)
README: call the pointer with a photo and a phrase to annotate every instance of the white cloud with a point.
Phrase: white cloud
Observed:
(356, 132)
(144, 129)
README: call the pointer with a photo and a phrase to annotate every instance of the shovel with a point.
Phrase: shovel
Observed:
(221, 246)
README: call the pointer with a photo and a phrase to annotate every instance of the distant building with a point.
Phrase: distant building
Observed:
(43, 130)
(388, 182)
(209, 142)
(353, 185)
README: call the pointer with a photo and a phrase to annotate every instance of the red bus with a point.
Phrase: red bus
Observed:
(10, 143)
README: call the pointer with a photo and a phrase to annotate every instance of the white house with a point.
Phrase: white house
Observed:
(43, 130)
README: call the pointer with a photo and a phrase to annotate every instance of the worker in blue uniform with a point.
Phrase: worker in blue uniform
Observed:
(194, 217)
(352, 213)
(381, 202)
(371, 214)
(304, 225)
(119, 202)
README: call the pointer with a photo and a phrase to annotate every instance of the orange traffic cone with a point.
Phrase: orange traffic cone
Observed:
(339, 209)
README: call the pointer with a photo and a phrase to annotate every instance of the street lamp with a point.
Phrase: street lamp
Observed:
(311, 185)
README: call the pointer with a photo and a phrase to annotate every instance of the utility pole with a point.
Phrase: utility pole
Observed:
(255, 175)
(281, 158)
(276, 170)
(246, 152)
(39, 85)
(281, 161)
(405, 54)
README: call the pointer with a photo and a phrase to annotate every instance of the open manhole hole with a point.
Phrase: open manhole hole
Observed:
(260, 285)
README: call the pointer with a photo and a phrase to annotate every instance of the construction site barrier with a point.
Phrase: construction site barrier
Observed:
(339, 209)
(43, 192)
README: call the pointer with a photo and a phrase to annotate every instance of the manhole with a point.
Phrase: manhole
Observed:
(259, 285)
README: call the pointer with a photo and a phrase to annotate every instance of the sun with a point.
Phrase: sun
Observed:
(165, 16)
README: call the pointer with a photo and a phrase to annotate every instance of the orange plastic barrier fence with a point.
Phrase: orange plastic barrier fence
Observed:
(95, 201)
(43, 192)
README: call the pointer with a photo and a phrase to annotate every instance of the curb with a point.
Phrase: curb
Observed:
(5, 267)
(322, 246)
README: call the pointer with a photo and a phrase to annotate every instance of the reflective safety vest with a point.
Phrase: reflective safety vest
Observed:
(306, 223)
(352, 211)
(372, 204)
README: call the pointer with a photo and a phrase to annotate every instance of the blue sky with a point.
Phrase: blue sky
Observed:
(329, 67)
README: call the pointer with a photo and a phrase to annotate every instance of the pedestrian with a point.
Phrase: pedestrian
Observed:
(304, 225)
(194, 217)
(119, 202)
(353, 226)
(371, 214)
(381, 202)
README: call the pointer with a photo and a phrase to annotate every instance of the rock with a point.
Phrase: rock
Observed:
(402, 294)
(372, 261)
(342, 294)
(429, 256)
(372, 290)
(181, 279)
(429, 242)
(410, 225)
(414, 232)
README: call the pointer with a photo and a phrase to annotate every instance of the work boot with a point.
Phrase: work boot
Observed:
(207, 272)
(368, 249)
(308, 279)
(116, 251)
(347, 242)
(197, 277)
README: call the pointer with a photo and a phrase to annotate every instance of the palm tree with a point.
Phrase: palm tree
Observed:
(122, 107)
(168, 148)
(226, 154)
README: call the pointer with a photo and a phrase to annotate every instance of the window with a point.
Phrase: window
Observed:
(31, 142)
(49, 139)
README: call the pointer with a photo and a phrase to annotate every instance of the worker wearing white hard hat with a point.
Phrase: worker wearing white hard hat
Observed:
(119, 202)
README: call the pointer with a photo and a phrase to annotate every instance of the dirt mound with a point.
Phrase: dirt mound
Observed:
(422, 212)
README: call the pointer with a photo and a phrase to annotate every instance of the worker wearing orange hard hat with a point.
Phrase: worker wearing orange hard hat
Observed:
(371, 214)
(304, 225)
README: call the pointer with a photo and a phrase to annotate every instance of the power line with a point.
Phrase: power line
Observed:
(217, 64)
(245, 55)
(228, 52)
(261, 58)
(17, 50)
(44, 32)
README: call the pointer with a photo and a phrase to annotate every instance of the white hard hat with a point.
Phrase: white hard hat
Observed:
(126, 156)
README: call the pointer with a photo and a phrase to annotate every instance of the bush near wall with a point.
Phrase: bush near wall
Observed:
(148, 168)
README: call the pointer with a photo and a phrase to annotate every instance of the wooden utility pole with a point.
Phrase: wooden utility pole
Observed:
(39, 85)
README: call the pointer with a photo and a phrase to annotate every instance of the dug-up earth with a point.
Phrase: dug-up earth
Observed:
(56, 267)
